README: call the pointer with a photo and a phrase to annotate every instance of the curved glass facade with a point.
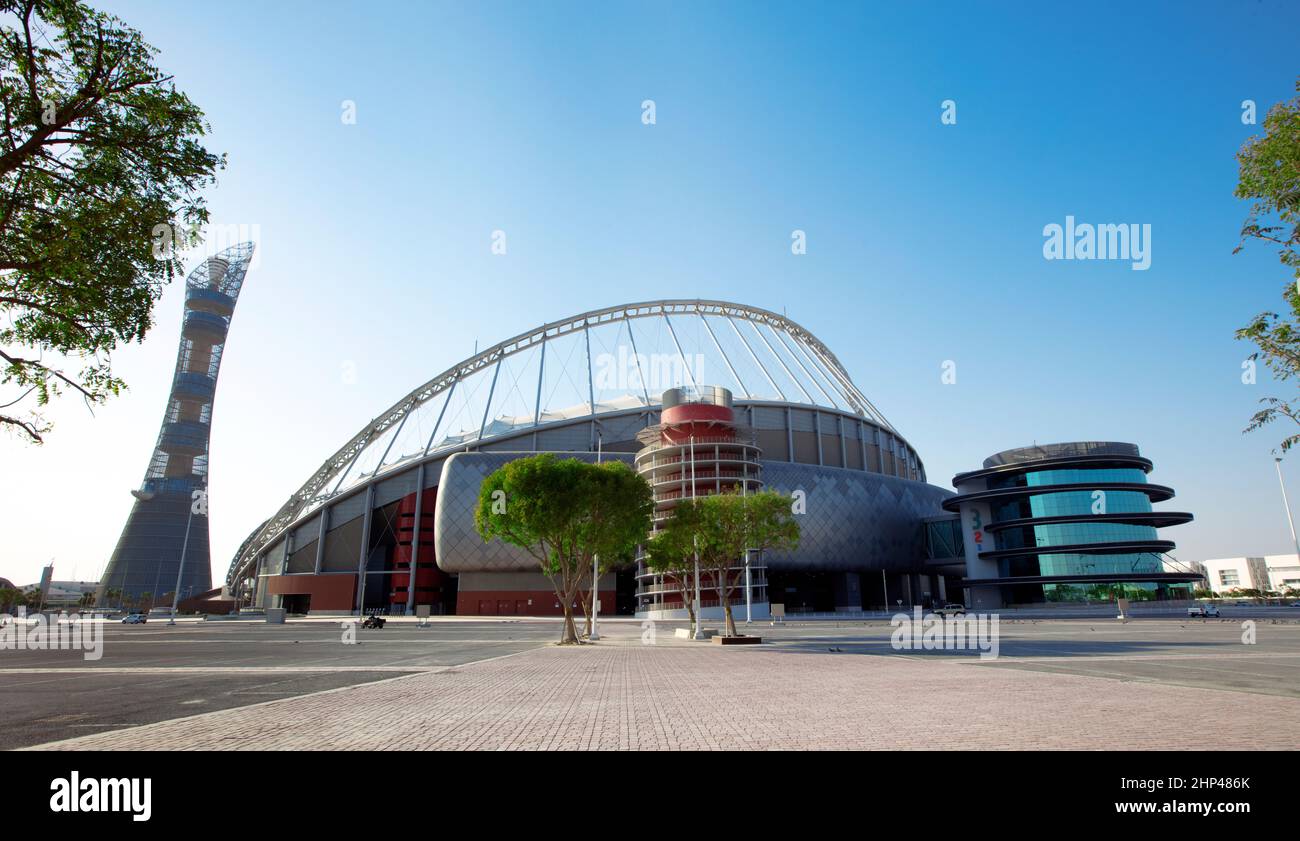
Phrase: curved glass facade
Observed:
(1078, 503)
(1071, 496)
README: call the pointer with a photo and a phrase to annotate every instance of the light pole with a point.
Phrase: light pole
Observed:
(595, 566)
(749, 601)
(699, 624)
(1290, 522)
(699, 631)
(176, 593)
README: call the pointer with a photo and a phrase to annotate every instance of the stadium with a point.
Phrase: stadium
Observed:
(385, 524)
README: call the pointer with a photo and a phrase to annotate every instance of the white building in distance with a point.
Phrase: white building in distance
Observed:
(1267, 572)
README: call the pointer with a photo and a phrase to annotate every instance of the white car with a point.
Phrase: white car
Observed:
(1205, 610)
(951, 609)
(135, 619)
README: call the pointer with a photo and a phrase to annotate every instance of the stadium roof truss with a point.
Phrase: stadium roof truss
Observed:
(760, 355)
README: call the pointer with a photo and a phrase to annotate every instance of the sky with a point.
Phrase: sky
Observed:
(924, 239)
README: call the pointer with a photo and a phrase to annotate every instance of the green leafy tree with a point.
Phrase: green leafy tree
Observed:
(564, 512)
(727, 525)
(1269, 175)
(606, 565)
(671, 553)
(100, 165)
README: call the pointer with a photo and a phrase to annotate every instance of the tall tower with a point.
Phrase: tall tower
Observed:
(172, 501)
(698, 448)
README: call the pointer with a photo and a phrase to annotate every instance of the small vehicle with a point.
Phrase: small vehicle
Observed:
(951, 609)
(374, 622)
(1204, 610)
(135, 619)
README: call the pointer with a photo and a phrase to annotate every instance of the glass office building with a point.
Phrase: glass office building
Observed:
(1068, 522)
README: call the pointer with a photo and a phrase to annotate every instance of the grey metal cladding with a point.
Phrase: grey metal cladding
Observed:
(457, 543)
(854, 520)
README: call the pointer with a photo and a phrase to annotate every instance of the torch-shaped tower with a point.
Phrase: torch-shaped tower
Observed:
(170, 515)
(698, 448)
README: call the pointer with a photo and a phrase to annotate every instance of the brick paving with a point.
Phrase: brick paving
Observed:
(625, 696)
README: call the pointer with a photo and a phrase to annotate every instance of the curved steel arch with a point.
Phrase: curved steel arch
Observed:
(337, 464)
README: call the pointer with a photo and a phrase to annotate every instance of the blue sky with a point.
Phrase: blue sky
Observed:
(924, 240)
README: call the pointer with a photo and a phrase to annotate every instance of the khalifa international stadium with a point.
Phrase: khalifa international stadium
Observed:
(385, 524)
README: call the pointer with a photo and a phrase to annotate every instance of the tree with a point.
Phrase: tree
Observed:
(86, 600)
(606, 564)
(100, 162)
(563, 513)
(729, 524)
(1269, 174)
(671, 553)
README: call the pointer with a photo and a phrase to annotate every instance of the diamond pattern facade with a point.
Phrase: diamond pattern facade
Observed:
(853, 521)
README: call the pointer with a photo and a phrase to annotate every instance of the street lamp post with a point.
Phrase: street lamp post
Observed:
(1290, 522)
(176, 592)
(699, 632)
(699, 625)
(749, 601)
(595, 566)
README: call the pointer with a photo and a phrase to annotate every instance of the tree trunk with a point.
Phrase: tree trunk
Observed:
(688, 599)
(564, 590)
(724, 596)
(586, 612)
(569, 633)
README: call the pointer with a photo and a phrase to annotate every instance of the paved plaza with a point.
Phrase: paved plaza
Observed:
(501, 685)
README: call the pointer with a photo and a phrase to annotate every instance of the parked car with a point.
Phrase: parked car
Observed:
(951, 609)
(1205, 610)
(135, 619)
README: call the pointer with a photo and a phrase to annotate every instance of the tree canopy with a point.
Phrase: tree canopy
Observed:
(97, 150)
(671, 553)
(1269, 175)
(564, 512)
(722, 528)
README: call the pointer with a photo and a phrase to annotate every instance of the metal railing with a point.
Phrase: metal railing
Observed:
(699, 442)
